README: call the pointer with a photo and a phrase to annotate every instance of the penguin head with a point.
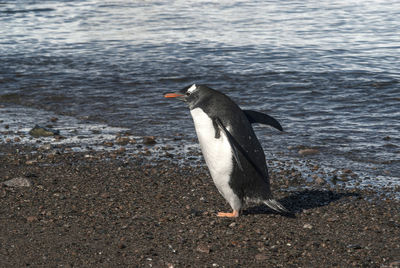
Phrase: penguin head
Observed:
(191, 94)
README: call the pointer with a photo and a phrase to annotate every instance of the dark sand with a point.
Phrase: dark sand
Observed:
(109, 210)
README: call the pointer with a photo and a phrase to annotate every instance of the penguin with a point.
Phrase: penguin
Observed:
(230, 147)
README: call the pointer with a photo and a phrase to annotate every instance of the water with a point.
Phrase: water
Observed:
(329, 71)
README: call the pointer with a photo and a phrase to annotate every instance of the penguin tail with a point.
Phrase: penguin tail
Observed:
(278, 207)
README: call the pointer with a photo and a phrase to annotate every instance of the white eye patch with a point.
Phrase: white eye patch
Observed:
(192, 88)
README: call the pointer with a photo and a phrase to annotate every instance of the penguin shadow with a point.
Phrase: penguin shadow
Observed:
(301, 200)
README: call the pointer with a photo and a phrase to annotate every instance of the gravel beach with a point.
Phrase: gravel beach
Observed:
(108, 209)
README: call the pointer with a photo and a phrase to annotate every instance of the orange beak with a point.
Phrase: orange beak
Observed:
(173, 95)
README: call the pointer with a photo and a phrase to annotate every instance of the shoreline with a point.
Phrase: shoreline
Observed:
(91, 208)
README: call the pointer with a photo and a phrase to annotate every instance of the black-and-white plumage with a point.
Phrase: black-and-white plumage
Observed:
(230, 147)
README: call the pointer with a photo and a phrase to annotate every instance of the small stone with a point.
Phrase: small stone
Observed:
(121, 150)
(261, 257)
(59, 137)
(45, 147)
(122, 140)
(203, 249)
(105, 195)
(108, 144)
(17, 139)
(149, 140)
(54, 119)
(233, 224)
(354, 246)
(387, 138)
(39, 131)
(332, 219)
(31, 218)
(347, 171)
(18, 182)
(319, 181)
(305, 152)
(121, 246)
(307, 226)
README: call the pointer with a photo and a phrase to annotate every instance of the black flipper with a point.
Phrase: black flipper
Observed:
(257, 117)
(231, 141)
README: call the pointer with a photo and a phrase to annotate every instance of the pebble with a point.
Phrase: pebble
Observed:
(305, 152)
(121, 246)
(319, 181)
(122, 140)
(203, 248)
(120, 150)
(332, 219)
(59, 137)
(45, 147)
(354, 246)
(31, 218)
(18, 182)
(307, 226)
(261, 257)
(31, 162)
(149, 140)
(39, 131)
(108, 143)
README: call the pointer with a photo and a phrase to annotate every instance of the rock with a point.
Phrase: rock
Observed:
(121, 246)
(149, 140)
(122, 140)
(31, 218)
(59, 137)
(261, 257)
(320, 181)
(17, 139)
(203, 248)
(121, 150)
(31, 162)
(354, 246)
(105, 195)
(307, 226)
(39, 131)
(305, 152)
(108, 144)
(45, 147)
(332, 219)
(54, 119)
(347, 171)
(18, 182)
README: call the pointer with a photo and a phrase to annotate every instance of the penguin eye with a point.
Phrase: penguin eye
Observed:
(188, 93)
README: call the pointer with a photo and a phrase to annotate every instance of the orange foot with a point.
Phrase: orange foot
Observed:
(233, 214)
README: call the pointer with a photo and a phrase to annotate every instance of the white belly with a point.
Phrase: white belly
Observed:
(217, 153)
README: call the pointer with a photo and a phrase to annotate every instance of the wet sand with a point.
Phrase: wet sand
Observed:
(110, 210)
